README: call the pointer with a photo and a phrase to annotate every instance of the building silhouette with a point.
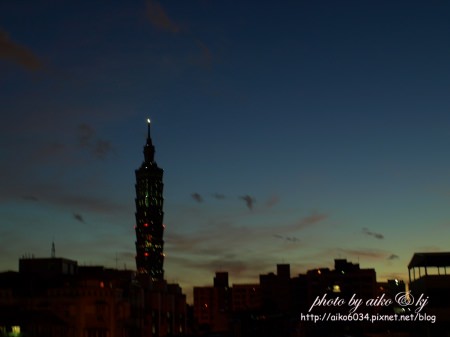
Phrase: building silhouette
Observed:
(276, 289)
(54, 297)
(343, 281)
(149, 214)
(211, 306)
(273, 307)
(246, 297)
(429, 277)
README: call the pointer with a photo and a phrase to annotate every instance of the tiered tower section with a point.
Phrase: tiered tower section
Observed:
(149, 214)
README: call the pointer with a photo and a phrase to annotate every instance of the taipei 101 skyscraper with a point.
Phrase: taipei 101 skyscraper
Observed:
(149, 214)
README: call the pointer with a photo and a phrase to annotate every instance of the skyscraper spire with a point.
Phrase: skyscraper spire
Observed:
(149, 149)
(53, 249)
(149, 214)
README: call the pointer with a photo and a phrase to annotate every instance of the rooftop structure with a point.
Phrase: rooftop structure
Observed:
(429, 263)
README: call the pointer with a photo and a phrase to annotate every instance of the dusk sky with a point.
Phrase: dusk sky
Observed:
(289, 132)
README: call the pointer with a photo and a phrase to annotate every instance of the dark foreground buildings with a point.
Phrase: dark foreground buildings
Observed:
(54, 297)
(281, 305)
(272, 307)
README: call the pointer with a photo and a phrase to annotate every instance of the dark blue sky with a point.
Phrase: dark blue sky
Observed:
(291, 132)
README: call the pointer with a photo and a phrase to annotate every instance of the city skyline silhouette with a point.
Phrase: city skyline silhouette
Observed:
(288, 134)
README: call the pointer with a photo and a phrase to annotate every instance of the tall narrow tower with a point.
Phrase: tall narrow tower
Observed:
(149, 214)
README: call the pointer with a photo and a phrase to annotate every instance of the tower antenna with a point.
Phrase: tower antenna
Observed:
(53, 249)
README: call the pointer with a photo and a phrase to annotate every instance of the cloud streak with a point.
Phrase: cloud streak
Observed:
(197, 197)
(78, 217)
(89, 203)
(249, 201)
(30, 198)
(14, 52)
(161, 21)
(272, 201)
(375, 235)
(286, 238)
(204, 57)
(363, 253)
(87, 139)
(219, 196)
(159, 18)
(231, 263)
(219, 238)
(393, 257)
(309, 220)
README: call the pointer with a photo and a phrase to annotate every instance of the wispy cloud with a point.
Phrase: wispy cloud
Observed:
(272, 201)
(393, 257)
(392, 276)
(159, 18)
(309, 220)
(219, 196)
(221, 237)
(49, 151)
(14, 52)
(88, 203)
(102, 149)
(204, 58)
(363, 253)
(198, 244)
(29, 198)
(375, 235)
(61, 197)
(85, 135)
(286, 238)
(78, 217)
(87, 139)
(249, 201)
(197, 197)
(231, 263)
